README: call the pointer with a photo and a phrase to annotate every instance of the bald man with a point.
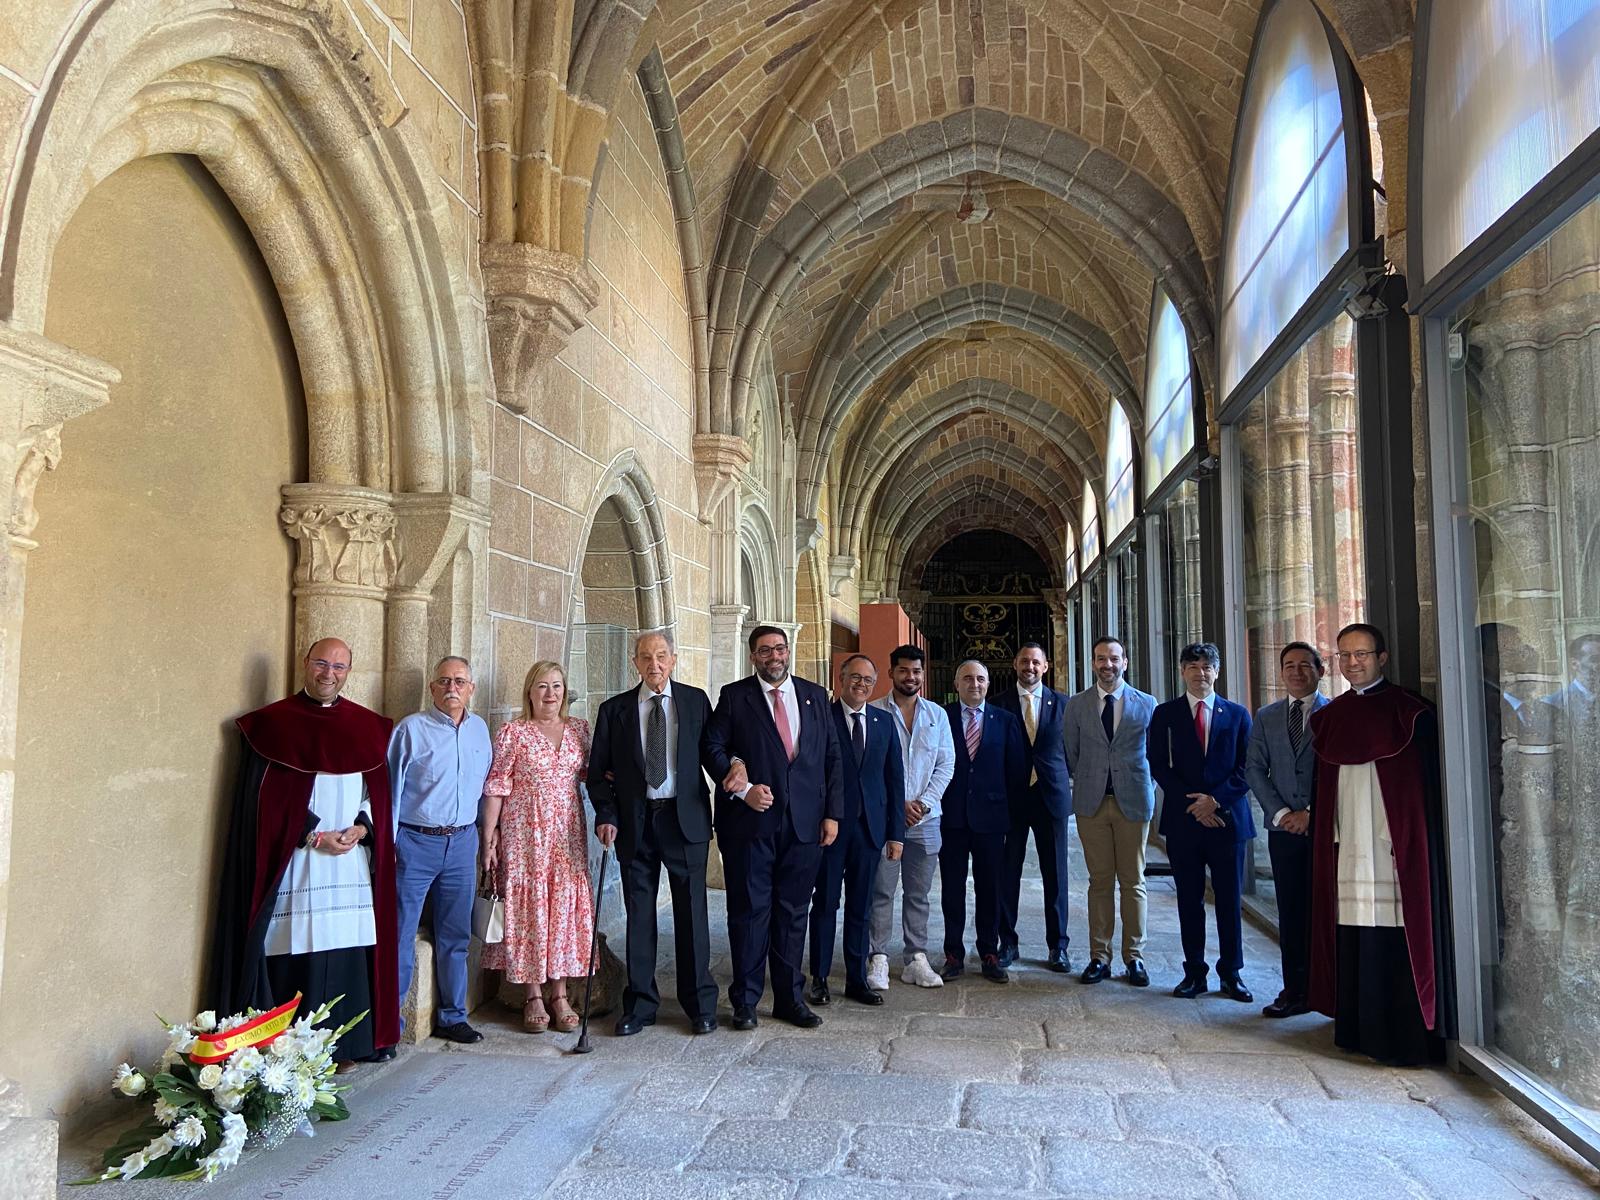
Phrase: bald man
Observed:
(307, 900)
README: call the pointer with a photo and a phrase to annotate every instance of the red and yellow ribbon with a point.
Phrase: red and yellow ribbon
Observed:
(257, 1031)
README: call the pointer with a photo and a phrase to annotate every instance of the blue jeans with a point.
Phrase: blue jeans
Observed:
(447, 869)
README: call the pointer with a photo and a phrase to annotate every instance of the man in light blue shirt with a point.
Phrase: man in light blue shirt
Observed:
(438, 761)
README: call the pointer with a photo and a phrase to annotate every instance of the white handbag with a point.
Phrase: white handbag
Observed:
(489, 915)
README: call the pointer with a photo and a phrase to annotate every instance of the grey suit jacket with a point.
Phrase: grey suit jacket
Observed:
(1123, 759)
(1278, 777)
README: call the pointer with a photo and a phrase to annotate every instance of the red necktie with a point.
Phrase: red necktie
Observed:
(1200, 725)
(781, 720)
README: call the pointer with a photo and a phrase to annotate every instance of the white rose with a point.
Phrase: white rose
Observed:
(129, 1082)
(206, 1021)
(210, 1076)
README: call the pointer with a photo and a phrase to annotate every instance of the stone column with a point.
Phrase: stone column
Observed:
(1060, 634)
(730, 659)
(43, 385)
(345, 567)
(537, 300)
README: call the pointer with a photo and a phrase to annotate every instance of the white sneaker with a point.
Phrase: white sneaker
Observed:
(920, 973)
(878, 972)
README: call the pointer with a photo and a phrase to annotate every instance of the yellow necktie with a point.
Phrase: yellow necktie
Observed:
(1032, 724)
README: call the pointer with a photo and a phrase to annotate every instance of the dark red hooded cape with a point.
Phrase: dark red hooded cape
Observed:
(1394, 730)
(286, 745)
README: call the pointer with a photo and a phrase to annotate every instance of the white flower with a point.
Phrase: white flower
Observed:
(277, 1077)
(284, 1047)
(190, 1131)
(232, 1022)
(228, 1099)
(246, 1063)
(133, 1164)
(305, 1092)
(227, 1151)
(128, 1081)
(210, 1076)
(206, 1021)
(167, 1113)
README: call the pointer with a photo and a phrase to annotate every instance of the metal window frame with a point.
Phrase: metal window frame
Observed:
(1572, 185)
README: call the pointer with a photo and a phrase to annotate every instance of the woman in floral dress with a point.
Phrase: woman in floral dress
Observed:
(536, 839)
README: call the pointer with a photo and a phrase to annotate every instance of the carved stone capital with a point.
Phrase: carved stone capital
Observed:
(429, 527)
(720, 460)
(1056, 599)
(840, 569)
(807, 533)
(914, 602)
(346, 538)
(537, 299)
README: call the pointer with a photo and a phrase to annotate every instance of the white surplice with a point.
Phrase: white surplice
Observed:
(1369, 886)
(325, 900)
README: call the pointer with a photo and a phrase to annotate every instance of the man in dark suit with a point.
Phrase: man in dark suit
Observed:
(771, 742)
(650, 798)
(874, 817)
(1042, 807)
(1197, 745)
(1281, 768)
(991, 765)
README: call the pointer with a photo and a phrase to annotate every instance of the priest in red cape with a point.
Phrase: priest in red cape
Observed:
(1378, 939)
(308, 894)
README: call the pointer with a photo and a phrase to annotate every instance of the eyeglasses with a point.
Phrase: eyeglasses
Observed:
(323, 664)
(447, 684)
(771, 651)
(860, 678)
(1356, 655)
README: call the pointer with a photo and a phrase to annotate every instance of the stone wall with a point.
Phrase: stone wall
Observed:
(620, 394)
(149, 624)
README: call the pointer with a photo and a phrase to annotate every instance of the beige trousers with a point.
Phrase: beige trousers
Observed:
(1113, 850)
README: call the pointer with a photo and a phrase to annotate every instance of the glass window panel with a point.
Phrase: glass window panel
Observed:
(1289, 219)
(1304, 559)
(1169, 393)
(1071, 576)
(1527, 382)
(1119, 471)
(1177, 543)
(1125, 622)
(1513, 87)
(1089, 548)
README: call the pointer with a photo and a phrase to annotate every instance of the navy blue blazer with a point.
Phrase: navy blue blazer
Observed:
(1178, 768)
(804, 791)
(1047, 756)
(979, 795)
(874, 792)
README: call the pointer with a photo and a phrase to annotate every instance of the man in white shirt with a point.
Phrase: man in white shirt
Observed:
(928, 754)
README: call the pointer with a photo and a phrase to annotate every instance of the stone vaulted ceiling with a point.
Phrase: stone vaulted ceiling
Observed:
(939, 222)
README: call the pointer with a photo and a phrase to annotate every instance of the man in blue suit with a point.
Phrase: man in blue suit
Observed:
(1197, 745)
(991, 765)
(1281, 768)
(874, 814)
(771, 741)
(1042, 807)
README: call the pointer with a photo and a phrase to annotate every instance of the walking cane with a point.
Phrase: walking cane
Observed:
(583, 1046)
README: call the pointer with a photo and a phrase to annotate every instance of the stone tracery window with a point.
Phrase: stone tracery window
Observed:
(1089, 545)
(1168, 393)
(1119, 472)
(1289, 198)
(1512, 88)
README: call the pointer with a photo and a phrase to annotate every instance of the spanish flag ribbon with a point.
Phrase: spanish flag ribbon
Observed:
(257, 1031)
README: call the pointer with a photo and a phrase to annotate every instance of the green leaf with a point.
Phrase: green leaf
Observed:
(175, 1162)
(330, 1110)
(136, 1138)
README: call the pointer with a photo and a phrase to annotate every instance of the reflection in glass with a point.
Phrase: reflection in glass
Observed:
(1071, 571)
(1526, 372)
(1178, 624)
(1304, 569)
(1125, 622)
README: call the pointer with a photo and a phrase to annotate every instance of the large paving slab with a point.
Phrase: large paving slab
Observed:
(1042, 1088)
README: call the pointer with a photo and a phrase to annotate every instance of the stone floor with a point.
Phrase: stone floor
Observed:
(1041, 1087)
